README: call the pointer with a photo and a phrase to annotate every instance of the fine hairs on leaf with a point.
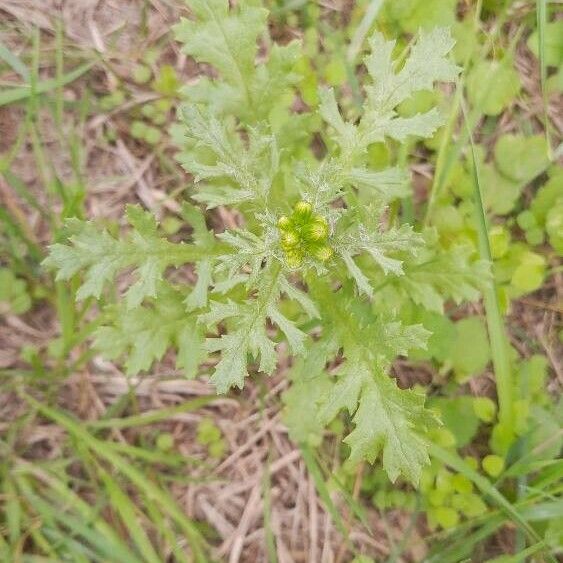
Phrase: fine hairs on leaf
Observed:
(307, 251)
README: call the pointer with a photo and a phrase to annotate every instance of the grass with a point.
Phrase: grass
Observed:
(81, 476)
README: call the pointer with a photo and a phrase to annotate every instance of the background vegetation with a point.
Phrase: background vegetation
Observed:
(97, 465)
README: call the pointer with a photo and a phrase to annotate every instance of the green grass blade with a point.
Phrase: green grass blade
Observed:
(483, 484)
(267, 511)
(316, 474)
(14, 62)
(154, 416)
(541, 19)
(63, 515)
(20, 93)
(128, 514)
(495, 322)
(136, 477)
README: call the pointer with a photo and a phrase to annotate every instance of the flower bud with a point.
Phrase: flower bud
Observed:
(294, 258)
(284, 223)
(303, 210)
(289, 240)
(323, 253)
(317, 230)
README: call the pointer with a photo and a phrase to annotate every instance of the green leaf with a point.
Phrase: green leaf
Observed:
(484, 408)
(14, 295)
(442, 336)
(427, 63)
(215, 153)
(309, 385)
(249, 336)
(142, 335)
(448, 274)
(101, 257)
(468, 360)
(225, 39)
(521, 158)
(493, 85)
(530, 272)
(413, 15)
(458, 417)
(553, 43)
(388, 420)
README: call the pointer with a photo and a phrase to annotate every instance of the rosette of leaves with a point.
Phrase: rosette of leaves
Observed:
(306, 253)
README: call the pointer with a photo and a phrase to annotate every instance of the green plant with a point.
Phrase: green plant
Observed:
(316, 246)
(14, 294)
(209, 435)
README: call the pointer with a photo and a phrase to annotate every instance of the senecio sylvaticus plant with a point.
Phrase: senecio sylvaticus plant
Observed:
(318, 262)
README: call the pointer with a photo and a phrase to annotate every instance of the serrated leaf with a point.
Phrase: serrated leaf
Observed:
(295, 337)
(223, 38)
(142, 335)
(389, 184)
(427, 63)
(388, 420)
(449, 274)
(101, 257)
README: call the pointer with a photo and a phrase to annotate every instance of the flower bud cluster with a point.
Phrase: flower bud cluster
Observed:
(302, 234)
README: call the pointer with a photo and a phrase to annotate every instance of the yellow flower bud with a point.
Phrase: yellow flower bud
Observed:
(318, 230)
(284, 223)
(323, 253)
(289, 239)
(303, 209)
(294, 258)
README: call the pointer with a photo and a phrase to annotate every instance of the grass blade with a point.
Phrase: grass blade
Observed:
(20, 93)
(134, 475)
(495, 323)
(128, 514)
(455, 462)
(315, 472)
(14, 62)
(541, 19)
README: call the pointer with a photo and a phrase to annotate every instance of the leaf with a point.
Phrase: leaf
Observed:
(389, 184)
(295, 337)
(345, 393)
(362, 282)
(493, 85)
(448, 274)
(553, 43)
(442, 336)
(215, 152)
(473, 359)
(426, 64)
(309, 384)
(458, 417)
(249, 336)
(380, 245)
(101, 257)
(521, 158)
(142, 335)
(225, 39)
(388, 420)
(413, 15)
(14, 295)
